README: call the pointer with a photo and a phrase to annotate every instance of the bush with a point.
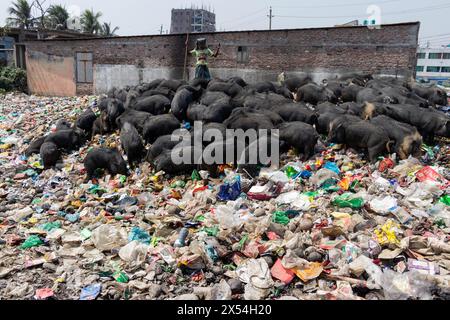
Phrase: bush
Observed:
(13, 79)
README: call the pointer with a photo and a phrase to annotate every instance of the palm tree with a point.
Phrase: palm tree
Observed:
(57, 17)
(20, 14)
(90, 21)
(108, 31)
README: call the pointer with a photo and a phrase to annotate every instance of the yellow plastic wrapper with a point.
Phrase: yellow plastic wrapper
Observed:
(387, 234)
(311, 273)
(345, 183)
(5, 146)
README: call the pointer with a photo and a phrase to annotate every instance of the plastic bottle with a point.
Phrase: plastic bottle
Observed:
(181, 241)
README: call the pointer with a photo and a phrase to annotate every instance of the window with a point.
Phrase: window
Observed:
(445, 69)
(421, 55)
(433, 69)
(84, 67)
(242, 54)
(419, 68)
(435, 56)
(446, 56)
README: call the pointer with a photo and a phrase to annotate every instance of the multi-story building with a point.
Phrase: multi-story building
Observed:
(433, 65)
(192, 20)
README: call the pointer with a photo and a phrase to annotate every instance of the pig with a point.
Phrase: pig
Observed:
(210, 97)
(155, 105)
(292, 112)
(164, 162)
(35, 146)
(314, 94)
(108, 159)
(50, 154)
(63, 125)
(349, 93)
(114, 110)
(407, 139)
(171, 84)
(67, 140)
(180, 103)
(160, 125)
(86, 120)
(231, 89)
(179, 138)
(136, 118)
(245, 119)
(131, 144)
(101, 125)
(301, 136)
(294, 83)
(361, 135)
(325, 119)
(238, 80)
(429, 122)
(216, 112)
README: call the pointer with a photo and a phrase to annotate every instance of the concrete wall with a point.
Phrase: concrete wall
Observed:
(323, 52)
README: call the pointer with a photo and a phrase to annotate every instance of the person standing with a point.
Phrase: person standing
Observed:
(201, 53)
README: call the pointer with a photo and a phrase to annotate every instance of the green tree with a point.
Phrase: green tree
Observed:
(108, 31)
(20, 15)
(57, 17)
(90, 22)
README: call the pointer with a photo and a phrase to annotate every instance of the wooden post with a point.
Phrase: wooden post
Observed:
(185, 58)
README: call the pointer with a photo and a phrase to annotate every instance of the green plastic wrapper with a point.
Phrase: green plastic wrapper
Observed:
(445, 200)
(281, 218)
(344, 201)
(195, 176)
(291, 172)
(212, 232)
(32, 241)
(178, 184)
(121, 277)
(49, 226)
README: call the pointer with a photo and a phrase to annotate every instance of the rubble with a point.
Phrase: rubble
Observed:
(338, 228)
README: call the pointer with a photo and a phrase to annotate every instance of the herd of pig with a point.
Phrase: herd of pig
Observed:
(377, 116)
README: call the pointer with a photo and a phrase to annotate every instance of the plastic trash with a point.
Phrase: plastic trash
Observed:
(229, 192)
(134, 251)
(108, 237)
(32, 241)
(347, 200)
(91, 292)
(383, 205)
(181, 241)
(256, 274)
(139, 235)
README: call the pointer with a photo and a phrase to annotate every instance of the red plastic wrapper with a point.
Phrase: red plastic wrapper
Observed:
(430, 174)
(386, 164)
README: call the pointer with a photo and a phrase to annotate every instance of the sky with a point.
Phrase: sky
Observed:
(140, 17)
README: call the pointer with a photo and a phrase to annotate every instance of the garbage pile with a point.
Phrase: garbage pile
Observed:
(332, 227)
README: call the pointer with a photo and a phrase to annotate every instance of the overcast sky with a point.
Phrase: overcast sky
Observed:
(137, 17)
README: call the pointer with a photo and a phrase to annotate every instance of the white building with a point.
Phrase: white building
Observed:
(433, 65)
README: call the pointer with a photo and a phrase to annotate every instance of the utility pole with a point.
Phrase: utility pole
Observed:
(161, 30)
(270, 18)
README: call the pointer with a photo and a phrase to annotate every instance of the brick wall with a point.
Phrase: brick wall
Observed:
(389, 50)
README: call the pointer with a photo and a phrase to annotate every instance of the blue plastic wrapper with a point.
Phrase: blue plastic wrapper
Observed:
(230, 192)
(73, 217)
(332, 167)
(140, 235)
(212, 253)
(90, 292)
(305, 174)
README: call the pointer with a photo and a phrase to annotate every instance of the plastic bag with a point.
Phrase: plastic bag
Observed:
(139, 235)
(383, 205)
(348, 201)
(229, 191)
(32, 241)
(134, 251)
(108, 237)
(221, 291)
(256, 275)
